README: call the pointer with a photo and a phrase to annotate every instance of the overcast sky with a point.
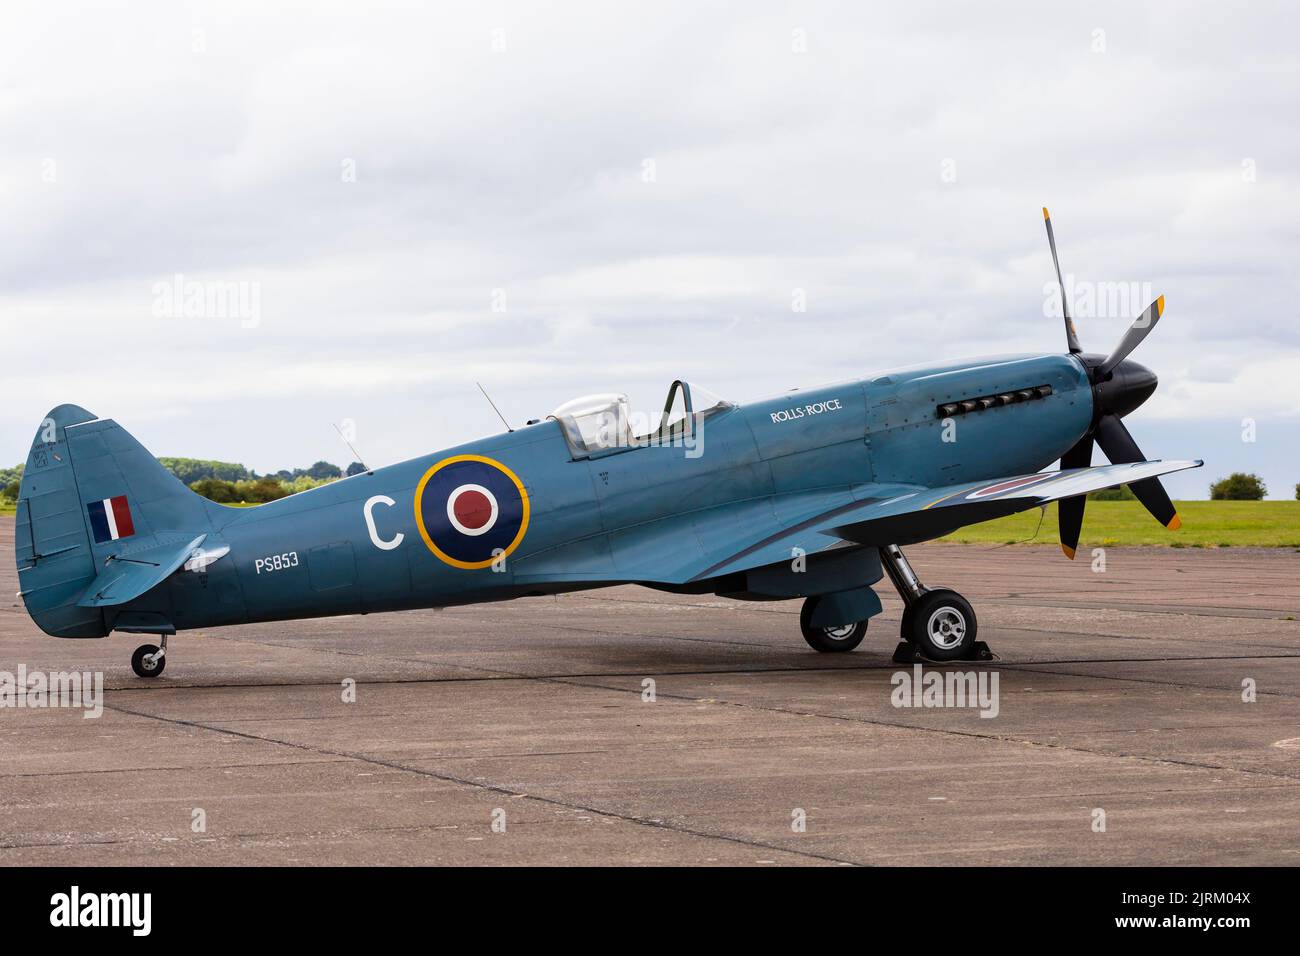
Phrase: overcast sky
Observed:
(557, 200)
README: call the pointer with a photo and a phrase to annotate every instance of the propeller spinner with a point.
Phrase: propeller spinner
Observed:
(1119, 385)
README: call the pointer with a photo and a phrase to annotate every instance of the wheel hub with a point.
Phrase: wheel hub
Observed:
(839, 633)
(947, 627)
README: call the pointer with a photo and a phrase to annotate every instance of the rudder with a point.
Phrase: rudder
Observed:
(89, 490)
(55, 564)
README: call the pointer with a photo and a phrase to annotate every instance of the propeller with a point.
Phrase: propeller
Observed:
(1120, 447)
(1139, 330)
(1071, 337)
(1070, 510)
(1119, 385)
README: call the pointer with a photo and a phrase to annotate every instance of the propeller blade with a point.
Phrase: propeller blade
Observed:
(1069, 511)
(1071, 337)
(1120, 448)
(1139, 330)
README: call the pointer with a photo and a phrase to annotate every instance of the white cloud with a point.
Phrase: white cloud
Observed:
(524, 170)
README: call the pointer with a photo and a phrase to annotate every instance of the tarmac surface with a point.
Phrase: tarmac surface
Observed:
(1119, 691)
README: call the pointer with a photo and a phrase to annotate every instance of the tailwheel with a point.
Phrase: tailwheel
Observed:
(941, 625)
(829, 640)
(149, 660)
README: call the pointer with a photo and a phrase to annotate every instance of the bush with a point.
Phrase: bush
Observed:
(190, 470)
(251, 491)
(10, 482)
(321, 472)
(214, 489)
(304, 483)
(1121, 493)
(1238, 486)
(254, 491)
(1297, 491)
(323, 469)
(260, 491)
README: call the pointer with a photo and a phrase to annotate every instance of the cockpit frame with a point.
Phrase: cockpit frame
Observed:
(598, 425)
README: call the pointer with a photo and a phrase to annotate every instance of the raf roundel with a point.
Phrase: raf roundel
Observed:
(471, 510)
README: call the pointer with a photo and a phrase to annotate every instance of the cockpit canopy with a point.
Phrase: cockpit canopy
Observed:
(594, 422)
(603, 423)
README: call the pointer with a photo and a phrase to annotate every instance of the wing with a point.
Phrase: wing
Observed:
(934, 512)
(946, 509)
(695, 546)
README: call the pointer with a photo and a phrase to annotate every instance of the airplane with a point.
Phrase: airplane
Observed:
(809, 494)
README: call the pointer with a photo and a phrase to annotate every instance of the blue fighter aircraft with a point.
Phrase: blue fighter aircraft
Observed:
(809, 494)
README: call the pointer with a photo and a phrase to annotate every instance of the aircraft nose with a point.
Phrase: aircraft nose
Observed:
(1129, 385)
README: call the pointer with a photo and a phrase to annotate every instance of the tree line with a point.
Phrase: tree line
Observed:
(223, 481)
(230, 483)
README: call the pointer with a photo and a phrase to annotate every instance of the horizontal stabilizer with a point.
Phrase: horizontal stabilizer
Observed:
(132, 572)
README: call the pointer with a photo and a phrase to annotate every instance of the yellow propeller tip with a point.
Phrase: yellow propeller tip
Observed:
(1069, 551)
(1174, 523)
(1045, 216)
(1160, 306)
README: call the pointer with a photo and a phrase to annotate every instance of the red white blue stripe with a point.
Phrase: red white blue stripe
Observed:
(110, 519)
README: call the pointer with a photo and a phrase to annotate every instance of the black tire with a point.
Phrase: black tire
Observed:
(942, 625)
(141, 668)
(829, 640)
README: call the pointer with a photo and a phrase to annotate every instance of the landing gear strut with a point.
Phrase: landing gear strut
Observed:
(150, 659)
(938, 624)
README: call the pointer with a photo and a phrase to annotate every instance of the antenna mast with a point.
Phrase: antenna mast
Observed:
(355, 454)
(494, 406)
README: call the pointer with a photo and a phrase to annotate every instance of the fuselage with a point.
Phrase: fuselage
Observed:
(360, 545)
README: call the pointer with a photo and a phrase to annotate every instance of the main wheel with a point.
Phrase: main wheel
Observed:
(829, 640)
(942, 624)
(145, 664)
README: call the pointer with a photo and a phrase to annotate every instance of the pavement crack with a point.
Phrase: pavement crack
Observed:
(496, 788)
(948, 731)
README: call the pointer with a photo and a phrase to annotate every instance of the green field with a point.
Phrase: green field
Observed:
(1206, 524)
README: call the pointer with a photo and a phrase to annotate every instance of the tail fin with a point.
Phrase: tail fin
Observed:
(90, 491)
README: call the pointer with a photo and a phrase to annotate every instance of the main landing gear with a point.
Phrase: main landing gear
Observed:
(938, 624)
(150, 659)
